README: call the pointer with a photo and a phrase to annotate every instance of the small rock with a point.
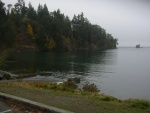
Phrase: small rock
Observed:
(58, 83)
(75, 79)
(1, 78)
(7, 77)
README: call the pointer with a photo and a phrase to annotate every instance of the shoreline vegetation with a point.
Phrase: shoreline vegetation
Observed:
(24, 27)
(67, 96)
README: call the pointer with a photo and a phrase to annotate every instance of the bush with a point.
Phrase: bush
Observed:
(69, 85)
(90, 88)
(52, 86)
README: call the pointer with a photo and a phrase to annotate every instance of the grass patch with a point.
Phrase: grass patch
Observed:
(142, 104)
(109, 98)
(66, 86)
(72, 99)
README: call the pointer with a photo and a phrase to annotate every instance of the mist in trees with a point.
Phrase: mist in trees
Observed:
(23, 26)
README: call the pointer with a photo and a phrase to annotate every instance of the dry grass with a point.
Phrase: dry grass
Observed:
(72, 100)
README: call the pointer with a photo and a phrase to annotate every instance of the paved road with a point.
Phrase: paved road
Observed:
(4, 108)
(26, 106)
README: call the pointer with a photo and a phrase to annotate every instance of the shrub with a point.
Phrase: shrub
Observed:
(90, 88)
(52, 86)
(70, 85)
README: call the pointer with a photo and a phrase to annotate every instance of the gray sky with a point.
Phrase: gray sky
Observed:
(127, 20)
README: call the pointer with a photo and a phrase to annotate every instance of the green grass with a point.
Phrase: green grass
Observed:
(73, 100)
(142, 104)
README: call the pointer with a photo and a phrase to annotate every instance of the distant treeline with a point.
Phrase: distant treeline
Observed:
(22, 26)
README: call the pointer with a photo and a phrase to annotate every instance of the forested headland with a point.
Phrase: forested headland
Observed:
(22, 26)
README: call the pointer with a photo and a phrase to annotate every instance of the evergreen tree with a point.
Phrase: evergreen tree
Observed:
(46, 30)
(31, 13)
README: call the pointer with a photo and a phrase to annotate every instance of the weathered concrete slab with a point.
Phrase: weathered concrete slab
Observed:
(31, 104)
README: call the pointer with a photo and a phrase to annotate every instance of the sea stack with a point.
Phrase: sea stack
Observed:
(138, 46)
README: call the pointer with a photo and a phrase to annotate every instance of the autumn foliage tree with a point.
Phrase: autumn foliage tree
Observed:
(22, 25)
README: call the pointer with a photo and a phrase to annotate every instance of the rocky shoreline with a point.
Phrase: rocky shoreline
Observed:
(4, 75)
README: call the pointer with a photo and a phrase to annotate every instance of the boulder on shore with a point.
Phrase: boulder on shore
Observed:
(1, 78)
(75, 79)
(7, 77)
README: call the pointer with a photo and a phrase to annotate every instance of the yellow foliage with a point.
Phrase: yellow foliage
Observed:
(30, 30)
(66, 43)
(52, 44)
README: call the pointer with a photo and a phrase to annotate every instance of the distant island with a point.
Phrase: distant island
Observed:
(24, 27)
(138, 46)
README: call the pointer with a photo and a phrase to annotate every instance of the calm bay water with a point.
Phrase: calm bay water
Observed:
(123, 73)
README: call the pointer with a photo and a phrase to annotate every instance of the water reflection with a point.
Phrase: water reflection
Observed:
(90, 66)
(81, 62)
(123, 72)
